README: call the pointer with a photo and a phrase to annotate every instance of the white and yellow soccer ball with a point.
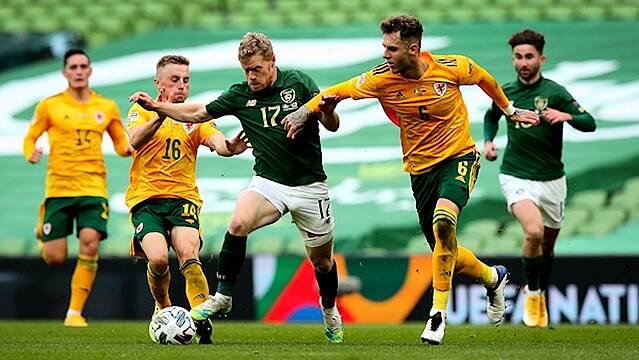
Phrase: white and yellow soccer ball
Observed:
(172, 326)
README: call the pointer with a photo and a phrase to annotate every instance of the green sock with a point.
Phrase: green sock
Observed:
(532, 270)
(230, 262)
(546, 270)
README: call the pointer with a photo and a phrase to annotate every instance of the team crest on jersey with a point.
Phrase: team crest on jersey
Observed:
(139, 228)
(99, 116)
(541, 103)
(288, 95)
(440, 88)
(46, 229)
(188, 127)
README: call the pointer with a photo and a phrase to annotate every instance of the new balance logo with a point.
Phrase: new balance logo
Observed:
(460, 178)
(251, 103)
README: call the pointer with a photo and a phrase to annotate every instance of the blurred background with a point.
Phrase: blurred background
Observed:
(591, 48)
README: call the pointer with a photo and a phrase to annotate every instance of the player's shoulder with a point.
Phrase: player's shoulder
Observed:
(552, 84)
(103, 99)
(53, 98)
(137, 112)
(511, 85)
(295, 76)
(380, 70)
(451, 60)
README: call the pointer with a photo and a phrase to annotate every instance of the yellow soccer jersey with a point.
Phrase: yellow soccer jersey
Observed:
(165, 166)
(430, 111)
(76, 163)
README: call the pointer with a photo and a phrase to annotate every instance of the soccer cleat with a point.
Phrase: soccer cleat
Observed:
(215, 304)
(334, 329)
(531, 309)
(543, 312)
(203, 331)
(435, 325)
(496, 300)
(75, 320)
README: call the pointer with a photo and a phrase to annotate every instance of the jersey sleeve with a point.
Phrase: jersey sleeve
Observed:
(472, 74)
(310, 87)
(117, 132)
(581, 119)
(359, 87)
(138, 116)
(221, 106)
(206, 130)
(39, 124)
(491, 122)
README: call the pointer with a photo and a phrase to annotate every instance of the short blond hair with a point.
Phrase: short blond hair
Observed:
(171, 59)
(255, 43)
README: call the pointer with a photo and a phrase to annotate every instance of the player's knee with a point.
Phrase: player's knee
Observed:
(534, 233)
(188, 251)
(53, 258)
(445, 232)
(158, 261)
(239, 227)
(322, 265)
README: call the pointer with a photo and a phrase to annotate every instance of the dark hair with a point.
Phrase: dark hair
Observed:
(72, 52)
(529, 37)
(409, 27)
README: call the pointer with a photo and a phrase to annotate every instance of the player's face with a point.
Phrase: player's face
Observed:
(77, 71)
(397, 54)
(173, 81)
(527, 61)
(260, 73)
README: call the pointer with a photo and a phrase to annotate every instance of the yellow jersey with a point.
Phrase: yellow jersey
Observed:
(76, 163)
(165, 166)
(429, 111)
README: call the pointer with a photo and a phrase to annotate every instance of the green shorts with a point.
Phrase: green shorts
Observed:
(160, 215)
(452, 179)
(57, 215)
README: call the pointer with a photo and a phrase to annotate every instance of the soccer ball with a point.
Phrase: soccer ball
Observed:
(172, 326)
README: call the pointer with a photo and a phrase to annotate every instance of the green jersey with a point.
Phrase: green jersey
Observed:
(290, 162)
(534, 152)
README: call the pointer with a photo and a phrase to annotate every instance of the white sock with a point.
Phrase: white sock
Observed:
(73, 312)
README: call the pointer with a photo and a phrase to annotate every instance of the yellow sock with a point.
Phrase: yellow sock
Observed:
(468, 265)
(197, 288)
(159, 286)
(82, 281)
(444, 255)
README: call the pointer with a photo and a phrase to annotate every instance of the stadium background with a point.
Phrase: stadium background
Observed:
(590, 52)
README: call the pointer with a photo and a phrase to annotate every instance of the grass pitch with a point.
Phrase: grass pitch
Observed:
(238, 340)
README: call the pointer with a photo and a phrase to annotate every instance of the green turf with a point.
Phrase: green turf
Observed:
(112, 340)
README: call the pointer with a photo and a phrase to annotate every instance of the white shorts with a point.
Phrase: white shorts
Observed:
(309, 205)
(549, 196)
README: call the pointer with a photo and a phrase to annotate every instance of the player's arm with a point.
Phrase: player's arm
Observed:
(491, 126)
(228, 147)
(359, 87)
(571, 112)
(39, 124)
(472, 73)
(140, 135)
(118, 134)
(183, 112)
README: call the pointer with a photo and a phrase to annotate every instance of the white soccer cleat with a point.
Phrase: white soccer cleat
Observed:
(496, 304)
(215, 304)
(334, 330)
(435, 325)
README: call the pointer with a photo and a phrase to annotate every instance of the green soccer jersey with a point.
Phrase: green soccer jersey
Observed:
(291, 162)
(534, 152)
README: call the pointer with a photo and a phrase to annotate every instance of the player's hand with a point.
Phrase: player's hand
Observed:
(328, 103)
(294, 122)
(525, 116)
(36, 155)
(238, 144)
(553, 116)
(144, 100)
(490, 150)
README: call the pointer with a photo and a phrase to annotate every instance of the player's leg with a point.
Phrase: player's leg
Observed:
(529, 216)
(255, 208)
(158, 274)
(548, 257)
(55, 223)
(312, 214)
